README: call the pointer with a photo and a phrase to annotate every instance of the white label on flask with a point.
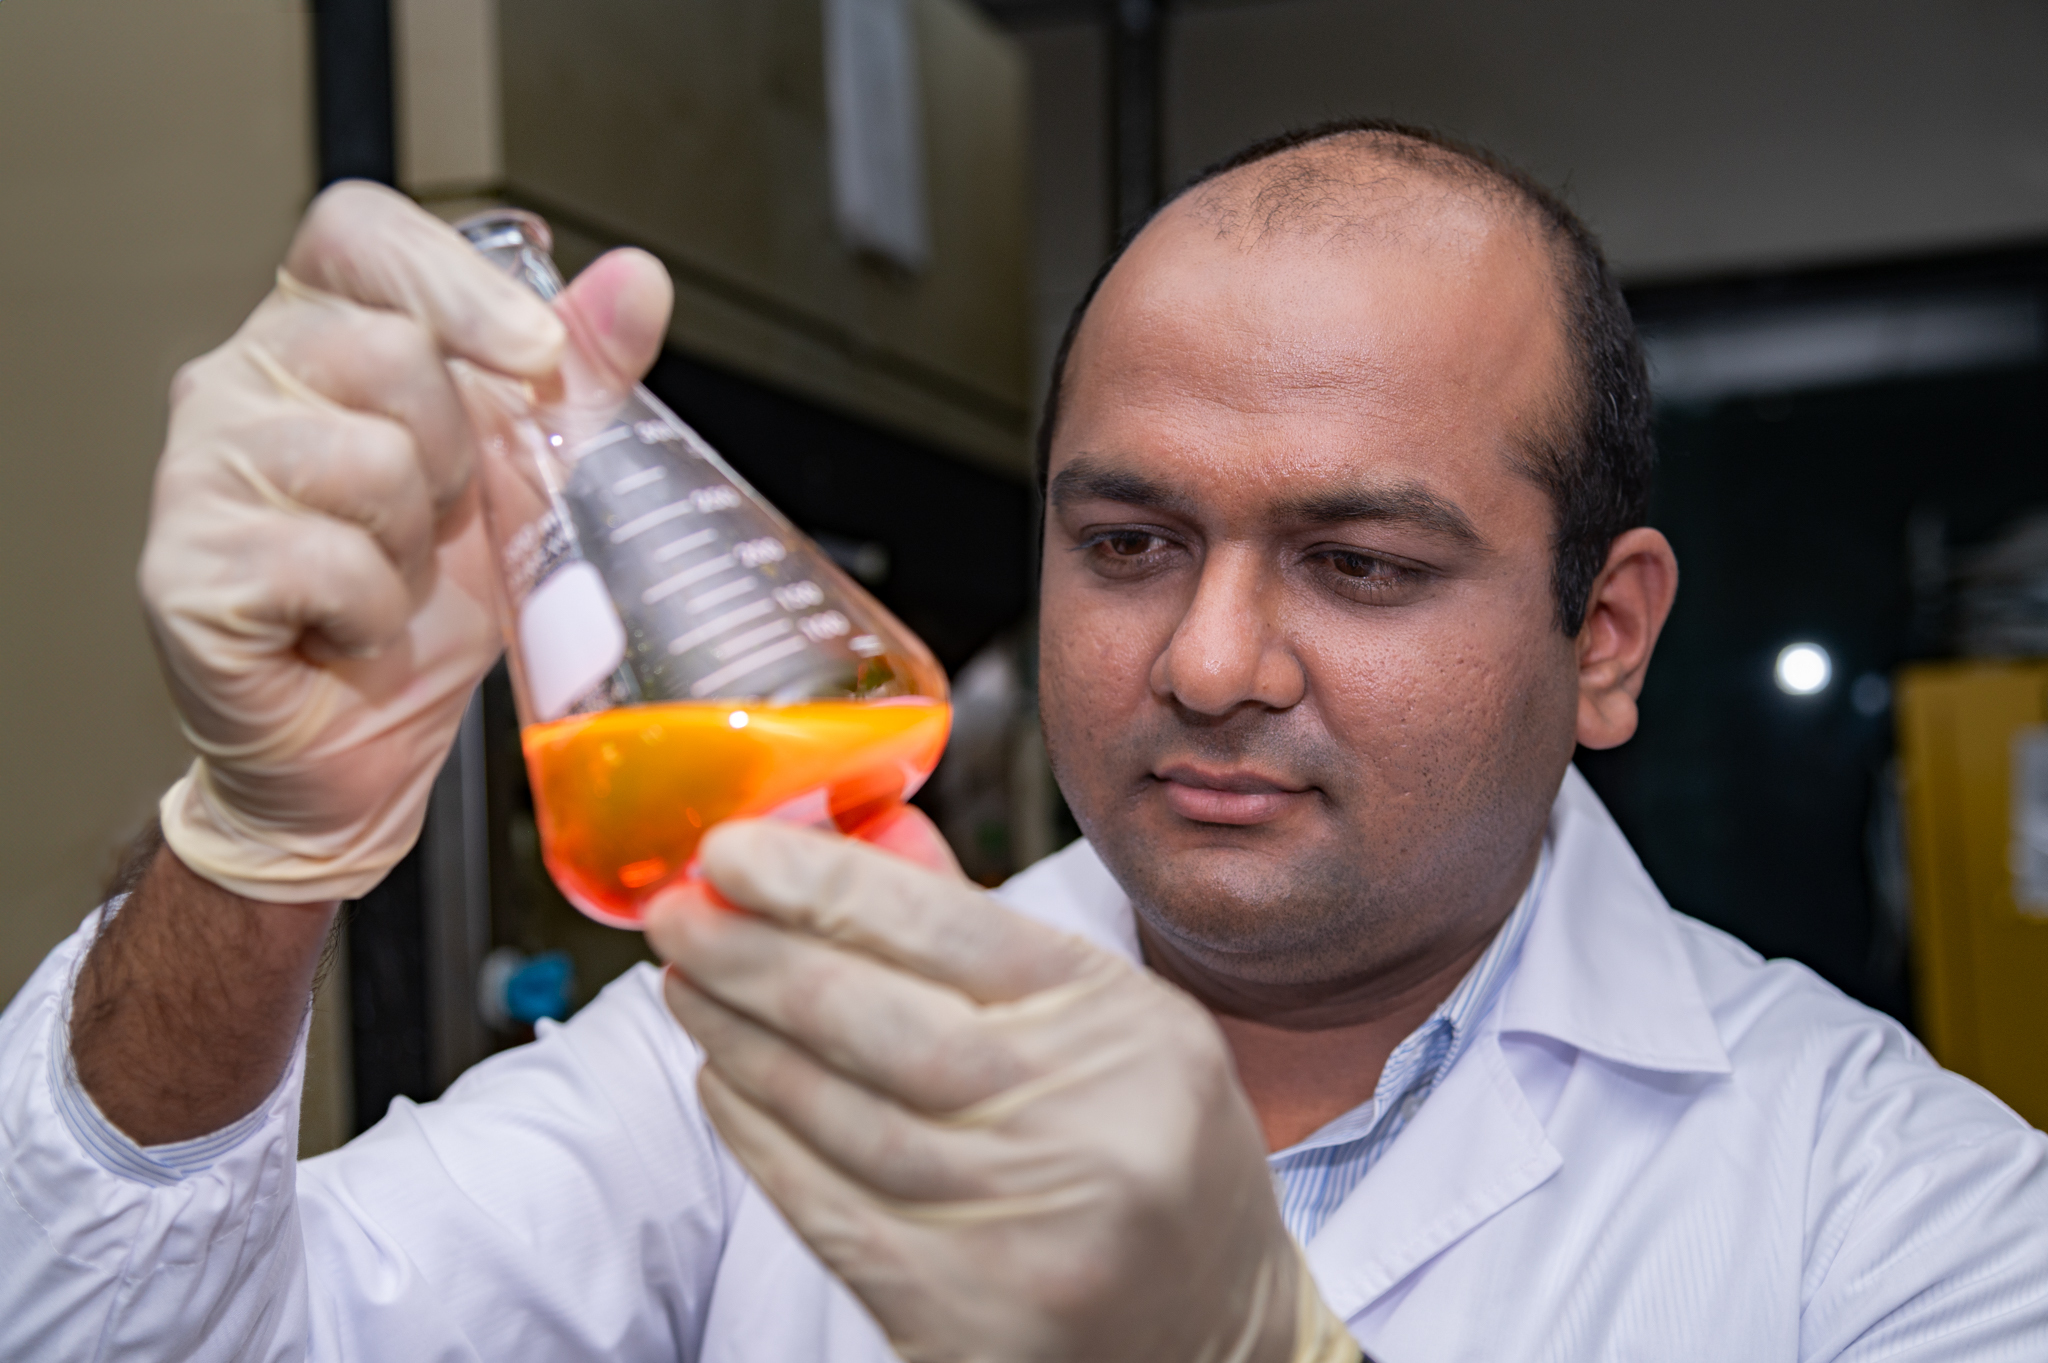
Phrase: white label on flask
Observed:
(570, 639)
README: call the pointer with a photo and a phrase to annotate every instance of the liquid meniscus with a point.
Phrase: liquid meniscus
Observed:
(623, 797)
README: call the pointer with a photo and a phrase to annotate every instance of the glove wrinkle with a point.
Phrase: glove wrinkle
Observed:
(291, 286)
(301, 729)
(288, 385)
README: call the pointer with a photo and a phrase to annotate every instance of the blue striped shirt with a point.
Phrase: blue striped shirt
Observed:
(1315, 1175)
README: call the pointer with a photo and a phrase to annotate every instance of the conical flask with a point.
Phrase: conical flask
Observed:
(680, 653)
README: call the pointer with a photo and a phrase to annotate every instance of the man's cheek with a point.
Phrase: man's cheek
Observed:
(1099, 649)
(1412, 728)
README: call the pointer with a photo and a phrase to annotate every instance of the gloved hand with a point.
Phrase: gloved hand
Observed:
(317, 576)
(1009, 1144)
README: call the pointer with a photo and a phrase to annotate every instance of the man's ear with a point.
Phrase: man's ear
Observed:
(1624, 614)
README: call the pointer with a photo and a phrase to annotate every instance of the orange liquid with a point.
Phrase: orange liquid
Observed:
(623, 797)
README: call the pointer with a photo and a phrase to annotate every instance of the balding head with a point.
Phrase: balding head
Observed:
(1358, 187)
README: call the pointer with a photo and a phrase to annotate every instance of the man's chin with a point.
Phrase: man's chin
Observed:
(1235, 892)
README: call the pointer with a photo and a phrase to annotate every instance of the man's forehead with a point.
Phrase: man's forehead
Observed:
(1445, 331)
(1295, 256)
(1194, 329)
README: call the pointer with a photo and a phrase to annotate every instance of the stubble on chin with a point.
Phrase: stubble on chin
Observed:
(1304, 921)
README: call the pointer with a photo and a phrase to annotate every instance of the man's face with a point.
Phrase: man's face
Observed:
(1302, 679)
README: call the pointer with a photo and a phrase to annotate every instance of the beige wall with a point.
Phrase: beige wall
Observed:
(699, 132)
(153, 158)
(1696, 138)
(447, 90)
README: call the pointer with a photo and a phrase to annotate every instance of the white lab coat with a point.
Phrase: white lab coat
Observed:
(1657, 1147)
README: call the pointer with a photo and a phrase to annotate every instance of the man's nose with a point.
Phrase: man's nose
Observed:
(1230, 648)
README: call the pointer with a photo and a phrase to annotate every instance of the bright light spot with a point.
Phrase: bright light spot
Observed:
(738, 719)
(1803, 669)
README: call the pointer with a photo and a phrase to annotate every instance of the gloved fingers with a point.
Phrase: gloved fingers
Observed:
(248, 582)
(319, 349)
(871, 1139)
(918, 1042)
(837, 1218)
(374, 246)
(361, 469)
(623, 299)
(332, 583)
(930, 924)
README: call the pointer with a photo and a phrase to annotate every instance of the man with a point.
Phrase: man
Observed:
(1346, 468)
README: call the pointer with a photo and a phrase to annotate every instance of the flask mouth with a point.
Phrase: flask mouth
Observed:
(518, 243)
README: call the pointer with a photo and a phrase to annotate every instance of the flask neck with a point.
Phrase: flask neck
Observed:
(518, 243)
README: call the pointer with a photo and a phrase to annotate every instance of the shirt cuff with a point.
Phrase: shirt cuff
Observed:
(113, 1149)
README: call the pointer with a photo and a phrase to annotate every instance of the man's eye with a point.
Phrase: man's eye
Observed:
(1359, 565)
(1124, 553)
(1365, 577)
(1129, 543)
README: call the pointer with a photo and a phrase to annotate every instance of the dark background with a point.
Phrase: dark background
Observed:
(1755, 810)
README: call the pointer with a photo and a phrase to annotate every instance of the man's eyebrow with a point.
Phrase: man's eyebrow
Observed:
(1403, 504)
(1086, 479)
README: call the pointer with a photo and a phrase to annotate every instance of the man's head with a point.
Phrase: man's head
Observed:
(1342, 462)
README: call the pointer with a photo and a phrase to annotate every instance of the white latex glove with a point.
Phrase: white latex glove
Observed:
(1009, 1144)
(317, 575)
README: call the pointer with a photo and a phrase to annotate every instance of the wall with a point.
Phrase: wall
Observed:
(700, 132)
(153, 159)
(1697, 139)
(448, 96)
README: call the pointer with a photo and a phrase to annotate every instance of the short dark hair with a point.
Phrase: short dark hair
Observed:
(1597, 462)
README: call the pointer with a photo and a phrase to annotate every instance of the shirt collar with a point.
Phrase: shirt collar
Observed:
(1603, 966)
(1432, 1048)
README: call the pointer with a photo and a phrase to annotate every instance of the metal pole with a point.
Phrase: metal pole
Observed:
(1135, 42)
(352, 90)
(455, 849)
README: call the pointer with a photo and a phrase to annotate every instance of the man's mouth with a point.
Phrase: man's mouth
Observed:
(1226, 795)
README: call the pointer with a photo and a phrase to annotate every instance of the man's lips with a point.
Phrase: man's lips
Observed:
(1225, 795)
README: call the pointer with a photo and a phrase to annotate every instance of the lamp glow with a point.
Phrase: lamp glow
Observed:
(1803, 669)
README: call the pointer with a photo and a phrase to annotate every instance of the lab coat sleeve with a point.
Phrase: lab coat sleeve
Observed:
(565, 1200)
(1927, 1216)
(112, 1250)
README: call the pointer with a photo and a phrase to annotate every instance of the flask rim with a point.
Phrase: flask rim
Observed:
(494, 229)
(519, 243)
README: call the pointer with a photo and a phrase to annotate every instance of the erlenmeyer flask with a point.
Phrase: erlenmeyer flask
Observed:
(680, 653)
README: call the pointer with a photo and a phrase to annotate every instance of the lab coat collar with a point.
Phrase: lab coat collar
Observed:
(1604, 969)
